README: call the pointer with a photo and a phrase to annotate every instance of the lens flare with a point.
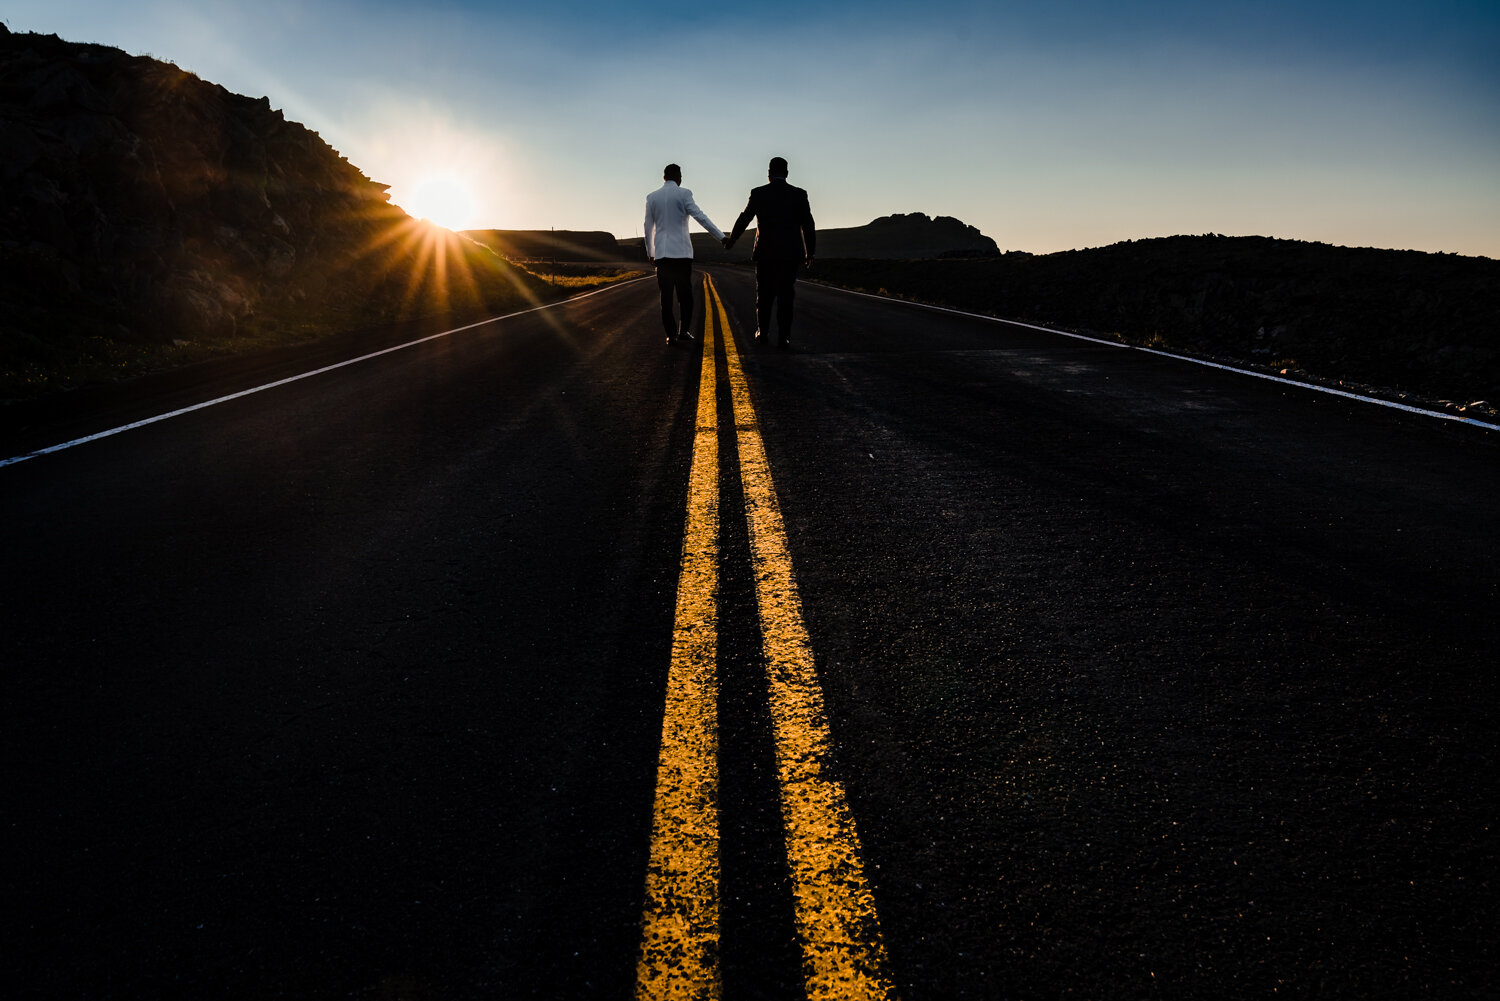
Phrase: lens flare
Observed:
(444, 199)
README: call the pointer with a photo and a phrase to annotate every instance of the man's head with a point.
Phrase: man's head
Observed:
(777, 169)
(672, 173)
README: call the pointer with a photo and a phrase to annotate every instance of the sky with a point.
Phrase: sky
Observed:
(1049, 125)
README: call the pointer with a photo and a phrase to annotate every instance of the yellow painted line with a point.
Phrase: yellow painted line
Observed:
(843, 955)
(680, 931)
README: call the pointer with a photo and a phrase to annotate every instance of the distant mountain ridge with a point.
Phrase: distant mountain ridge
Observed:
(913, 235)
(909, 236)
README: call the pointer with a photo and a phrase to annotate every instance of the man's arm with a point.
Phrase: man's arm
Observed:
(743, 220)
(702, 217)
(649, 228)
(809, 230)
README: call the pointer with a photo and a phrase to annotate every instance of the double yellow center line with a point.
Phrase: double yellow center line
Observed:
(842, 952)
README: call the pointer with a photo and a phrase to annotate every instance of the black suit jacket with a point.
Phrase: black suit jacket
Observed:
(784, 231)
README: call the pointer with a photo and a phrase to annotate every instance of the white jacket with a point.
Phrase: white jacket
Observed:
(667, 211)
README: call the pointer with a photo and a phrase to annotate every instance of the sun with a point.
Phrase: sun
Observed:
(444, 199)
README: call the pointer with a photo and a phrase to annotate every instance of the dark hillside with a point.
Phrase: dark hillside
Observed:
(549, 245)
(1425, 324)
(151, 218)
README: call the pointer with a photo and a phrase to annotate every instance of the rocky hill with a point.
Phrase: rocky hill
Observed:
(151, 218)
(909, 236)
(1426, 324)
(913, 235)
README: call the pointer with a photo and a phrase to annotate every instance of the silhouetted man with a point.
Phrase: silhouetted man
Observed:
(785, 239)
(671, 249)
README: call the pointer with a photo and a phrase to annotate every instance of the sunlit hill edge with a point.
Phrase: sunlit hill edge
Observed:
(153, 220)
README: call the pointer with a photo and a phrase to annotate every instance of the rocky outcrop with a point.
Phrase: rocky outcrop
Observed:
(913, 236)
(144, 206)
(177, 205)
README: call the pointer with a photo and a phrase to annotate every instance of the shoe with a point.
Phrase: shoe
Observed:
(686, 337)
(785, 344)
(671, 340)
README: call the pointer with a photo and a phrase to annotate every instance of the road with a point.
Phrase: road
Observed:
(1135, 678)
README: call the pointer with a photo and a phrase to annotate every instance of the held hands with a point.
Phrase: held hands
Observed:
(728, 242)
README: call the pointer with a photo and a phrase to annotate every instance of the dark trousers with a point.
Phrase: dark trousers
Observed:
(675, 274)
(776, 287)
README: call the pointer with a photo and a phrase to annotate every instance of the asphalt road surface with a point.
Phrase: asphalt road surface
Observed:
(1136, 679)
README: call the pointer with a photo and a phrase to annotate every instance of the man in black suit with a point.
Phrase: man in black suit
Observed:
(785, 239)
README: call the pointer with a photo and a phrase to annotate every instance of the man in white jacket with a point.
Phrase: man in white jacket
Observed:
(671, 249)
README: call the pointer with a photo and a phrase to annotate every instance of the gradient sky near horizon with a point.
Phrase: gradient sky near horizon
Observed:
(1050, 126)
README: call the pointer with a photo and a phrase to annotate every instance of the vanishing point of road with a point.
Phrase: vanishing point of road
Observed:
(935, 658)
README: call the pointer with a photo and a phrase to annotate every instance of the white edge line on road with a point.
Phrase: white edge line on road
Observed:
(1187, 358)
(305, 375)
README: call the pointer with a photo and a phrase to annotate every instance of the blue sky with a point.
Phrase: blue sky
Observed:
(1050, 126)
